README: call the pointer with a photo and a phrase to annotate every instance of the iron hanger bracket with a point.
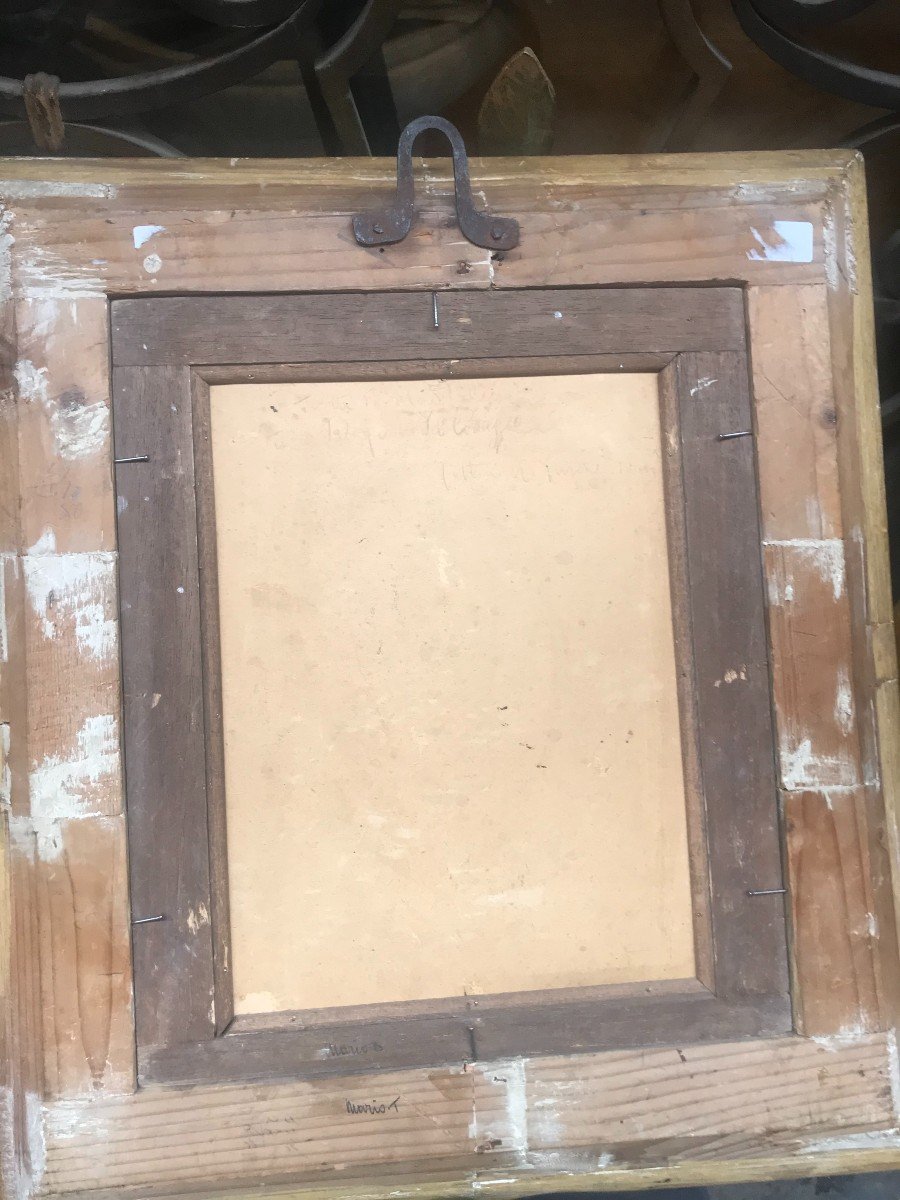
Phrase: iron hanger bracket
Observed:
(384, 227)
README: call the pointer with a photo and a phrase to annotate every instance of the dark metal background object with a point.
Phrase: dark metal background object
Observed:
(708, 63)
(802, 16)
(145, 90)
(389, 225)
(880, 89)
(239, 14)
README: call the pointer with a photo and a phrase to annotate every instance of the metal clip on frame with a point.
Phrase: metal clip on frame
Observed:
(389, 225)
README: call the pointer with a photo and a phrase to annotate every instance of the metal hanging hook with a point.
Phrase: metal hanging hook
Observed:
(389, 225)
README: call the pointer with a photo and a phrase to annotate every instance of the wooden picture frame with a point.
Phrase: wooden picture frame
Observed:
(86, 246)
(164, 354)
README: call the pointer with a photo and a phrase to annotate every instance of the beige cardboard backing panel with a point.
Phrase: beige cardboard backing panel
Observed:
(453, 756)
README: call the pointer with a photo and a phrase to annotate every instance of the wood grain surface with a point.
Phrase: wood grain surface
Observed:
(741, 940)
(626, 1108)
(360, 327)
(164, 731)
(66, 247)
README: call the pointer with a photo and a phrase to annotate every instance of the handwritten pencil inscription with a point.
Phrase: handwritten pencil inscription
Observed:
(373, 1109)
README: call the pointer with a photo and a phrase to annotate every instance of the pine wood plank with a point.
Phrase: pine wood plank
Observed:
(579, 226)
(13, 709)
(62, 376)
(629, 1100)
(86, 963)
(72, 648)
(573, 244)
(794, 406)
(812, 662)
(677, 1092)
(832, 907)
(21, 1067)
(865, 519)
(795, 169)
(68, 762)
(21, 1082)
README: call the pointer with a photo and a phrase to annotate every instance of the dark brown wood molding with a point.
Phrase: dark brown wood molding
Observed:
(174, 761)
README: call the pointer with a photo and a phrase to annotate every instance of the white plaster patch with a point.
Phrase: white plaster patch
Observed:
(45, 275)
(152, 264)
(24, 1182)
(70, 1119)
(850, 265)
(516, 1106)
(847, 1035)
(121, 504)
(69, 589)
(761, 193)
(881, 1139)
(732, 675)
(702, 384)
(486, 262)
(605, 1160)
(814, 520)
(143, 233)
(894, 1071)
(9, 1168)
(775, 590)
(37, 1147)
(801, 769)
(30, 380)
(825, 554)
(790, 241)
(30, 189)
(44, 315)
(63, 789)
(197, 920)
(829, 246)
(6, 244)
(843, 702)
(5, 770)
(46, 543)
(13, 561)
(512, 1127)
(80, 430)
(548, 1112)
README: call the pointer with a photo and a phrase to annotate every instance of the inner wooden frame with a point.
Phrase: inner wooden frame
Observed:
(167, 352)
